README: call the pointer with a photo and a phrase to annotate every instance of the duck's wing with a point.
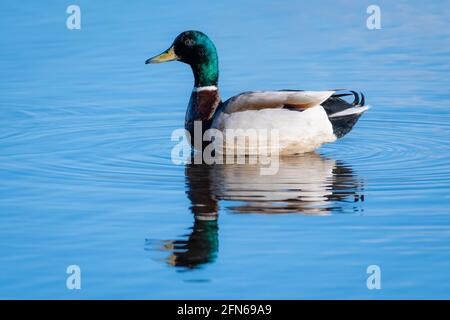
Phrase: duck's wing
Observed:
(290, 99)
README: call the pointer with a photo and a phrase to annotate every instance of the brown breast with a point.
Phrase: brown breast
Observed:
(202, 106)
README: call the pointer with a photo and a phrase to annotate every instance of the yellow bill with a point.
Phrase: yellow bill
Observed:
(168, 55)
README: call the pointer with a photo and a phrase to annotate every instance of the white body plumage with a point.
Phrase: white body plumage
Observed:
(297, 132)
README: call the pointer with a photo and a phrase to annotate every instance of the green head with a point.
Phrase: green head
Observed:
(198, 51)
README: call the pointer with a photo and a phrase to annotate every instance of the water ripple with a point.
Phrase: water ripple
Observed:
(135, 149)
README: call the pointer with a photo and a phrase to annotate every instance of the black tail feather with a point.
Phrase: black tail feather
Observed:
(356, 100)
(343, 124)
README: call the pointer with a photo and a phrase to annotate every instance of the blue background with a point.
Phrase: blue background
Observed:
(86, 176)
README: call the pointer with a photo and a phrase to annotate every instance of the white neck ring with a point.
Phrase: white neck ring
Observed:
(206, 88)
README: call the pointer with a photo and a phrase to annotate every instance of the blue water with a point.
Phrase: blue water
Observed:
(86, 176)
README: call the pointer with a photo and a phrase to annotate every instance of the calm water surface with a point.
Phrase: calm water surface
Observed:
(86, 176)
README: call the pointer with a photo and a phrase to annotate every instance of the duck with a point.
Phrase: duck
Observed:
(303, 120)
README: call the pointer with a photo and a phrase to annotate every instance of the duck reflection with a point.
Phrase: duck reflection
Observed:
(198, 247)
(307, 184)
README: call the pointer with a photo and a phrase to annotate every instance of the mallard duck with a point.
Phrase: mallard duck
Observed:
(304, 120)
